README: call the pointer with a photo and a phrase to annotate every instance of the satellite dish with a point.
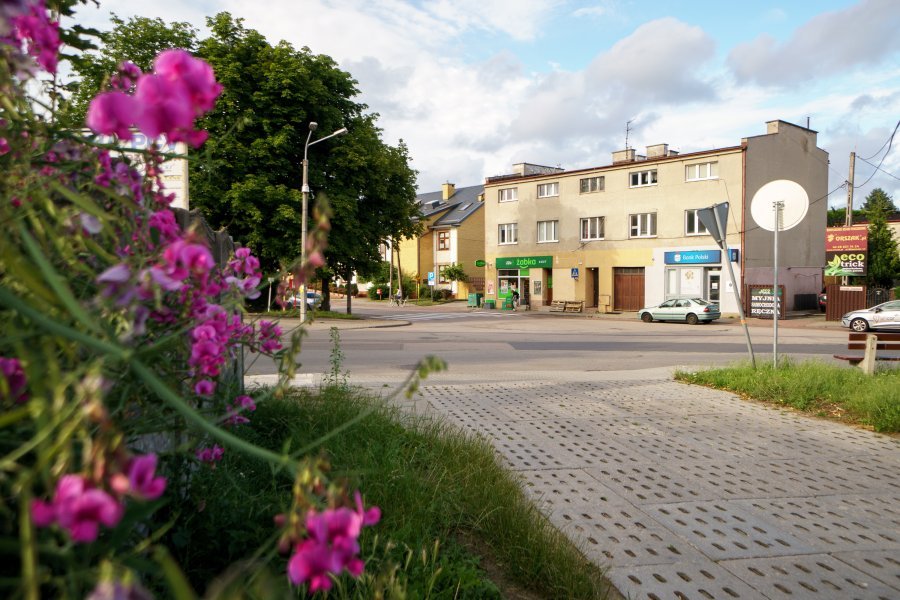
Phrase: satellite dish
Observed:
(790, 193)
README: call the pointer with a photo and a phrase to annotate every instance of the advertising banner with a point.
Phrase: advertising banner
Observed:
(761, 302)
(846, 250)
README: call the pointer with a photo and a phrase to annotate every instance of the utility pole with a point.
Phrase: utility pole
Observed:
(848, 218)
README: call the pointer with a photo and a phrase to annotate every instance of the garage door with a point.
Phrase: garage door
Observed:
(628, 288)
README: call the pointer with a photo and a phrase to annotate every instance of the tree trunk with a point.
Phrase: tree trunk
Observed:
(326, 293)
(349, 290)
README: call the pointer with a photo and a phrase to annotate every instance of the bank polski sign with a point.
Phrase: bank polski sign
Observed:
(693, 257)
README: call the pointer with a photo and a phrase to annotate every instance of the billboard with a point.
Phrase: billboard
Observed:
(846, 250)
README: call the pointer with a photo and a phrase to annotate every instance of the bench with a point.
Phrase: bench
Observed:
(870, 344)
(567, 306)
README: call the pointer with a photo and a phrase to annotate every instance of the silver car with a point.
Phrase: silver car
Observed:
(883, 316)
(689, 310)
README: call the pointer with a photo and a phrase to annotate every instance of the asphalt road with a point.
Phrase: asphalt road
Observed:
(393, 340)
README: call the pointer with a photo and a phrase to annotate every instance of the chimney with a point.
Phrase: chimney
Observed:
(657, 150)
(447, 190)
(622, 156)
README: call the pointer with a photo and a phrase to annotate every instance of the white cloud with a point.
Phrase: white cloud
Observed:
(864, 34)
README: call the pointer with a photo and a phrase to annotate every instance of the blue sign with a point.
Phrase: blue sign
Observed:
(430, 277)
(693, 257)
(575, 272)
(734, 254)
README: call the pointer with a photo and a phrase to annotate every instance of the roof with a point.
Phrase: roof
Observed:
(463, 203)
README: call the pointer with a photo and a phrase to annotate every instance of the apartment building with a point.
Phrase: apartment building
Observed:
(626, 235)
(453, 234)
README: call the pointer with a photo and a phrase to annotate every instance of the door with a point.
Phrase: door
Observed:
(628, 288)
(714, 286)
(593, 287)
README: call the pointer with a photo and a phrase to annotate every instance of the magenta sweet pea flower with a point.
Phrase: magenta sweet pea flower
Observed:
(164, 107)
(4, 146)
(112, 113)
(204, 387)
(210, 455)
(312, 561)
(77, 508)
(16, 384)
(194, 74)
(142, 479)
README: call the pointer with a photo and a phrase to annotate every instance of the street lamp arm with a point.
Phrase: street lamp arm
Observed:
(340, 131)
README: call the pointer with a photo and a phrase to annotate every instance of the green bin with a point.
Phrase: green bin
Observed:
(475, 300)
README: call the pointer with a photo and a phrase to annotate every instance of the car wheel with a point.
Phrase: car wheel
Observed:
(692, 319)
(647, 318)
(859, 325)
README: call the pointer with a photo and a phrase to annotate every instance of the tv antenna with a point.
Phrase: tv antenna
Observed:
(628, 129)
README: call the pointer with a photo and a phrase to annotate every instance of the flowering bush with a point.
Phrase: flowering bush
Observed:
(121, 335)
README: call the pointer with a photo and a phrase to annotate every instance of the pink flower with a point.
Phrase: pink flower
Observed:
(39, 34)
(112, 113)
(210, 455)
(204, 387)
(13, 376)
(142, 479)
(163, 107)
(77, 508)
(4, 146)
(193, 74)
(312, 561)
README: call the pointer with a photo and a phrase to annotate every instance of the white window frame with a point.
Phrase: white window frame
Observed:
(509, 231)
(701, 171)
(507, 194)
(547, 232)
(642, 178)
(548, 190)
(692, 221)
(590, 185)
(642, 225)
(597, 224)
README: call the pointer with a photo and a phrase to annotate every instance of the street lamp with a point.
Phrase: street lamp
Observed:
(305, 189)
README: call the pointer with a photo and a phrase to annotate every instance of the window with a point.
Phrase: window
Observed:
(643, 225)
(546, 190)
(692, 224)
(547, 231)
(441, 277)
(509, 194)
(591, 184)
(508, 234)
(443, 240)
(592, 229)
(700, 171)
(642, 178)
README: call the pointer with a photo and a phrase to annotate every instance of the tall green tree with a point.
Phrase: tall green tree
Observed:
(884, 259)
(249, 176)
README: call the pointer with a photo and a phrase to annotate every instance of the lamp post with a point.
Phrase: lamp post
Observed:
(305, 189)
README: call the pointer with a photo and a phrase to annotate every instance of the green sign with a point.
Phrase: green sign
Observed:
(525, 262)
(480, 263)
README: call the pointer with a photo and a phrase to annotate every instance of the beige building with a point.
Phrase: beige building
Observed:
(453, 235)
(627, 235)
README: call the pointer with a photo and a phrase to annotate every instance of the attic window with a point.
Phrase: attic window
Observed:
(465, 206)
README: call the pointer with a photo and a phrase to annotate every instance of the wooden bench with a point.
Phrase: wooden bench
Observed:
(870, 344)
(567, 306)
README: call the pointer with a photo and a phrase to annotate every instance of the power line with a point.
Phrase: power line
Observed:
(890, 140)
(880, 169)
(889, 144)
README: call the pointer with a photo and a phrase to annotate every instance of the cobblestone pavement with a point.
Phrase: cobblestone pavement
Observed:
(691, 493)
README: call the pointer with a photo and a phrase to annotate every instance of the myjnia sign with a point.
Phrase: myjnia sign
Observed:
(480, 263)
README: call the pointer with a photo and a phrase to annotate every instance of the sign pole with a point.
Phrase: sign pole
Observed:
(776, 206)
(723, 243)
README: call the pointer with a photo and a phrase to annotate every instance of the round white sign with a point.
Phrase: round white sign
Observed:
(794, 204)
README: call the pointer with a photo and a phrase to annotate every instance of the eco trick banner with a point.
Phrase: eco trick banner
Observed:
(846, 250)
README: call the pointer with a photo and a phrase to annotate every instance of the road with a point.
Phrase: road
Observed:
(392, 340)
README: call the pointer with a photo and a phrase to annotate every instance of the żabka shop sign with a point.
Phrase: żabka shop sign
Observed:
(525, 262)
(846, 250)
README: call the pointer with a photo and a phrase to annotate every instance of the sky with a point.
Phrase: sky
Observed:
(475, 86)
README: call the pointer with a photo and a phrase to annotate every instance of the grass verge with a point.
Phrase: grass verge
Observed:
(830, 391)
(448, 506)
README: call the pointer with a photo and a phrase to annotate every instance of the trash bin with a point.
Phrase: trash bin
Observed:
(475, 300)
(491, 304)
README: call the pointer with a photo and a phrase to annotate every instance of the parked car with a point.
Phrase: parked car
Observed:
(689, 310)
(313, 299)
(882, 316)
(823, 301)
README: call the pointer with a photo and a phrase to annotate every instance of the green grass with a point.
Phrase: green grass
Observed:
(836, 392)
(433, 484)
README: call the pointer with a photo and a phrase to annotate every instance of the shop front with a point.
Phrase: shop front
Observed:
(697, 274)
(529, 276)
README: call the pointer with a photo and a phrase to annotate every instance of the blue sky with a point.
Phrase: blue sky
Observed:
(473, 86)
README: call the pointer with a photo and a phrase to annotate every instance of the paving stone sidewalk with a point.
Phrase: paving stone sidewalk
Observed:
(691, 493)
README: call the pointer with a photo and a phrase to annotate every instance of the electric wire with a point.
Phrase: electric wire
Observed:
(889, 144)
(889, 141)
(880, 169)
